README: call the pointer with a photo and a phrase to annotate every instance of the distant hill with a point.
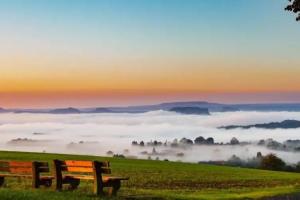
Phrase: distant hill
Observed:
(2, 110)
(65, 111)
(190, 110)
(287, 124)
(167, 106)
(268, 107)
(212, 107)
(101, 110)
(229, 109)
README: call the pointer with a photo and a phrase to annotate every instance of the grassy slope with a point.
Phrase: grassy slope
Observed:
(162, 180)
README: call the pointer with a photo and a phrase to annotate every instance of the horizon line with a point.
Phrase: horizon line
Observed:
(141, 105)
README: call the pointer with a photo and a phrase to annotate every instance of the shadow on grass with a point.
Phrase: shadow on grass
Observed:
(295, 196)
(143, 198)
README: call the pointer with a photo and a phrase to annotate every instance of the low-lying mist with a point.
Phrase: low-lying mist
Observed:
(97, 134)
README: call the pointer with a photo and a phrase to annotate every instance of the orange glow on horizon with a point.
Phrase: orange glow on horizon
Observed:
(125, 98)
(81, 82)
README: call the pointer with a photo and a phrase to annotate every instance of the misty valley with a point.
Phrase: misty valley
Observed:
(158, 135)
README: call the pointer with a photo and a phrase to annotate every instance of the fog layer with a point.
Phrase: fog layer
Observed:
(100, 133)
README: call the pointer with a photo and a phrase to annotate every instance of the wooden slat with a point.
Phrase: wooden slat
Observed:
(21, 170)
(16, 175)
(106, 170)
(83, 177)
(19, 164)
(43, 164)
(79, 163)
(105, 164)
(4, 169)
(3, 163)
(47, 177)
(80, 169)
(43, 169)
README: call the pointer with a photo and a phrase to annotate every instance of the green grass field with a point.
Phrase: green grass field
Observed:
(161, 180)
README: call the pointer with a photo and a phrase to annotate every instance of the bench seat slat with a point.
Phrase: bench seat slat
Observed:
(47, 177)
(3, 163)
(4, 169)
(19, 164)
(43, 169)
(16, 175)
(75, 163)
(20, 170)
(78, 176)
(106, 170)
(26, 175)
(80, 169)
(43, 164)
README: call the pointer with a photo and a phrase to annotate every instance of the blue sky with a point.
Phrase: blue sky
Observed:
(158, 45)
(237, 26)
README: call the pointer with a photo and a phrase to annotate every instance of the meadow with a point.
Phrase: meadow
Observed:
(151, 179)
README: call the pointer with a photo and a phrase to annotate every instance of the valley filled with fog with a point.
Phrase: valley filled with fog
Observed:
(113, 133)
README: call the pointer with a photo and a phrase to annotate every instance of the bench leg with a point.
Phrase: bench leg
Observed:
(74, 183)
(1, 181)
(98, 183)
(98, 189)
(59, 184)
(57, 170)
(36, 181)
(46, 182)
(112, 191)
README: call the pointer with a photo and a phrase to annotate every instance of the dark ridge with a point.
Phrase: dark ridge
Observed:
(229, 109)
(65, 111)
(286, 124)
(190, 110)
(101, 110)
(2, 110)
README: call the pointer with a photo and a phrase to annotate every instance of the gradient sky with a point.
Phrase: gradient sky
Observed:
(119, 52)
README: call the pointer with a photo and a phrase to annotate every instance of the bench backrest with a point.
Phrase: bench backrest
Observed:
(23, 167)
(77, 166)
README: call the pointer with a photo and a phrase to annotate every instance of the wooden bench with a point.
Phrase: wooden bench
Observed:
(72, 171)
(21, 169)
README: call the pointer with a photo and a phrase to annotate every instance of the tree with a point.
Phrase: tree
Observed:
(297, 168)
(272, 162)
(294, 6)
(210, 140)
(200, 140)
(234, 141)
(235, 161)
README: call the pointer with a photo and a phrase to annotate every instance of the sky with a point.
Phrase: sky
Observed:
(56, 53)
